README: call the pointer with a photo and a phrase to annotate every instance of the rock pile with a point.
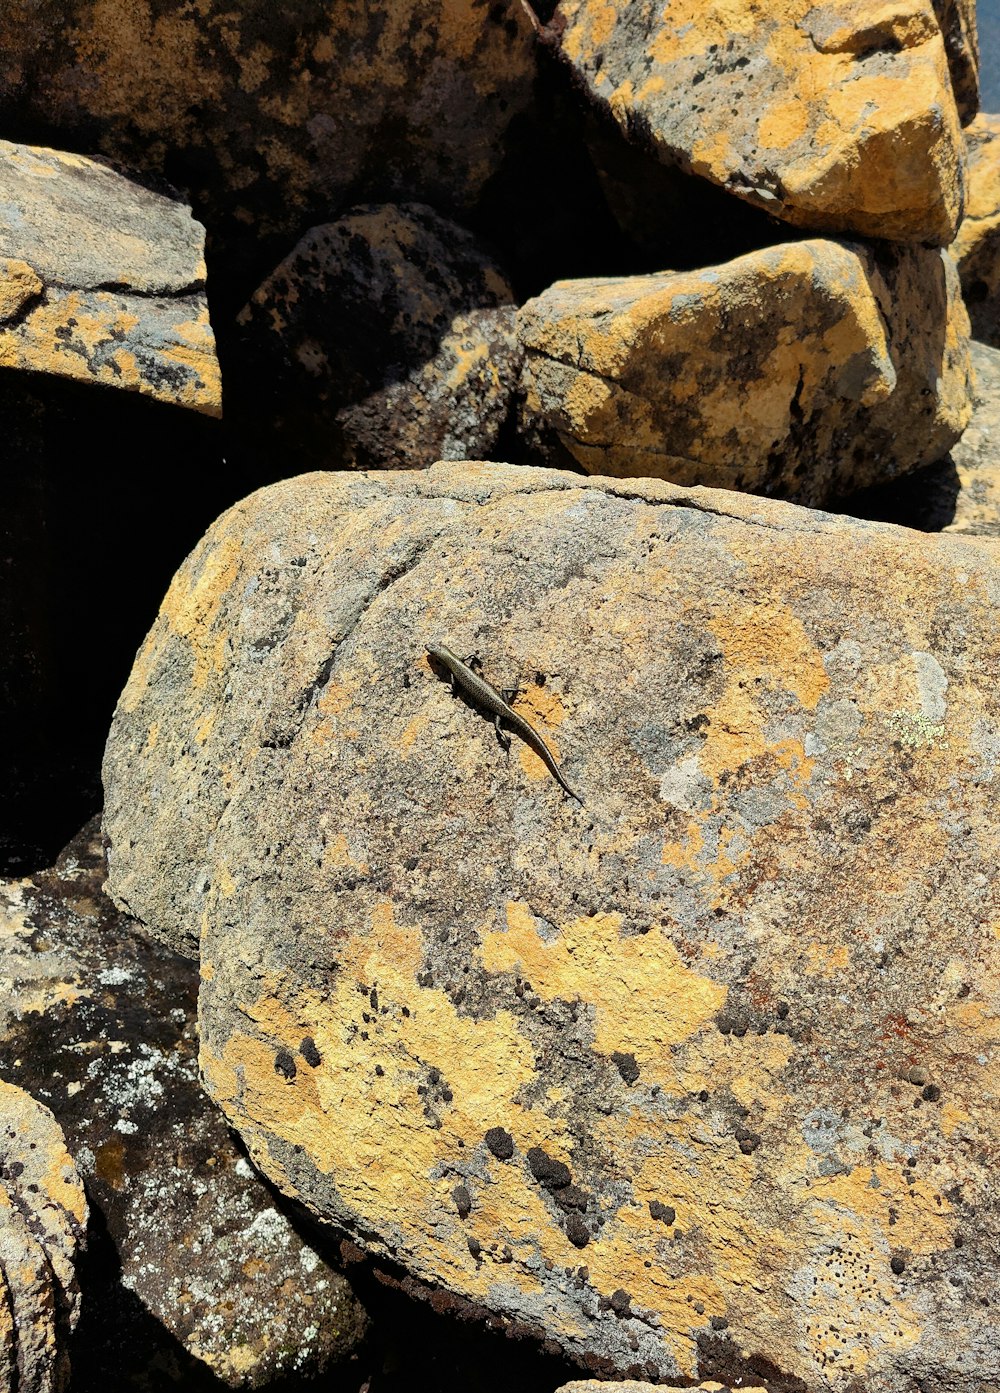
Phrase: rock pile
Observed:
(543, 330)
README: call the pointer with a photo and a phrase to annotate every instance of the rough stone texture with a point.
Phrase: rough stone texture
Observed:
(805, 370)
(195, 1278)
(837, 116)
(977, 246)
(43, 1218)
(957, 19)
(102, 280)
(976, 457)
(960, 493)
(271, 114)
(591, 1385)
(386, 339)
(698, 1080)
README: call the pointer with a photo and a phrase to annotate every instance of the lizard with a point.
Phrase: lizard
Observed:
(486, 696)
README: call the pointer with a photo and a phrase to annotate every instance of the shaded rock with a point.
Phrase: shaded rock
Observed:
(778, 901)
(102, 281)
(592, 1385)
(43, 1218)
(977, 246)
(195, 1277)
(385, 340)
(269, 116)
(806, 370)
(102, 284)
(957, 19)
(673, 218)
(831, 116)
(960, 493)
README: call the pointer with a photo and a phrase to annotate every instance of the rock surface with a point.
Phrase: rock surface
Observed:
(102, 281)
(698, 1080)
(591, 1385)
(806, 370)
(977, 246)
(960, 493)
(271, 114)
(195, 1278)
(386, 339)
(43, 1219)
(837, 117)
(957, 19)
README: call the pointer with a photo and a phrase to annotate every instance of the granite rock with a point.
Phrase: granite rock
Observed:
(269, 115)
(43, 1219)
(959, 30)
(384, 340)
(102, 280)
(807, 370)
(695, 1080)
(195, 1278)
(977, 246)
(837, 117)
(961, 492)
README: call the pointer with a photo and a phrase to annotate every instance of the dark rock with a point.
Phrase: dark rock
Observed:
(384, 340)
(195, 1277)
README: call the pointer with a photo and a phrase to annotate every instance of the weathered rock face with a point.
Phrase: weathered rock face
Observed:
(102, 281)
(806, 370)
(961, 492)
(697, 1079)
(195, 1279)
(269, 114)
(835, 117)
(590, 1385)
(957, 19)
(977, 246)
(977, 455)
(385, 339)
(43, 1219)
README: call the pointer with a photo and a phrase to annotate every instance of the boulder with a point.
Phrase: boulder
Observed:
(837, 117)
(195, 1277)
(977, 246)
(808, 370)
(271, 115)
(102, 280)
(697, 1080)
(384, 340)
(43, 1220)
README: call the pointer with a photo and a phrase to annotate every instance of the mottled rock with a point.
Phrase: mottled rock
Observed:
(196, 1278)
(957, 19)
(43, 1218)
(102, 280)
(838, 117)
(779, 901)
(386, 339)
(271, 114)
(805, 370)
(977, 246)
(592, 1385)
(960, 493)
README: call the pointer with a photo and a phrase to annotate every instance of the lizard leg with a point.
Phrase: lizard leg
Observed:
(474, 661)
(502, 735)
